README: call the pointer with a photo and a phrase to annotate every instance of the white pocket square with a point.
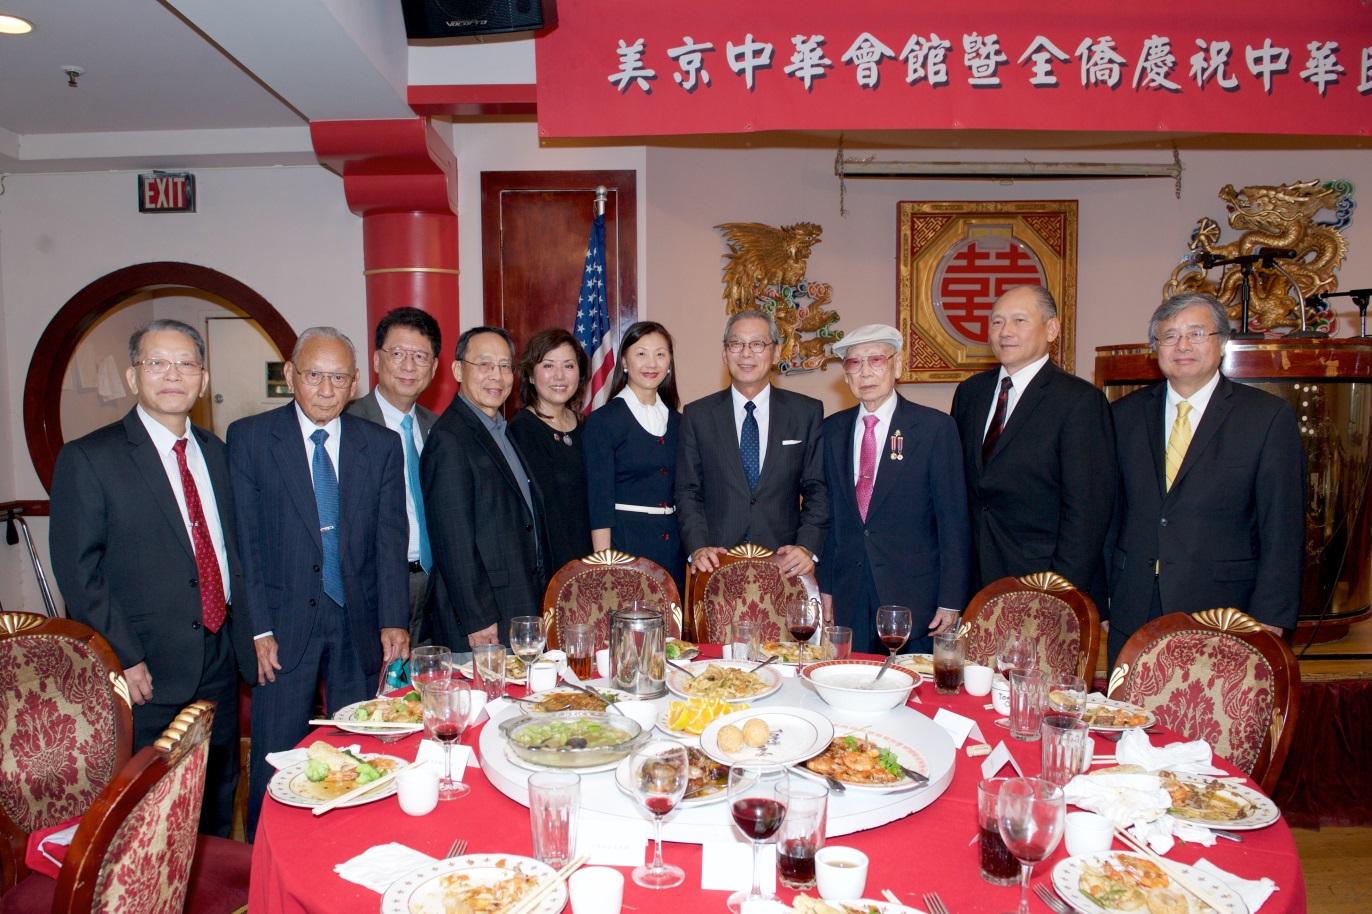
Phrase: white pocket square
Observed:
(792, 441)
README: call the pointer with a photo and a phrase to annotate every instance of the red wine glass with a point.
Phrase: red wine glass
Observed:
(659, 773)
(757, 801)
(1029, 812)
(893, 626)
(803, 617)
(447, 705)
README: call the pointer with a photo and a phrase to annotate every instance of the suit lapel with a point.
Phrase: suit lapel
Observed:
(981, 396)
(293, 463)
(728, 438)
(774, 439)
(845, 461)
(483, 435)
(352, 457)
(1033, 396)
(426, 421)
(1215, 412)
(144, 456)
(1156, 437)
(223, 495)
(886, 467)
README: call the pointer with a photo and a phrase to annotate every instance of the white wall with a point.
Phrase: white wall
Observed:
(285, 232)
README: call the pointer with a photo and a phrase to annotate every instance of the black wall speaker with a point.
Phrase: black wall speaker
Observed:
(461, 18)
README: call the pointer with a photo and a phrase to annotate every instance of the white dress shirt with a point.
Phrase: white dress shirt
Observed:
(1198, 400)
(1019, 383)
(762, 410)
(164, 442)
(652, 417)
(393, 417)
(884, 413)
(308, 428)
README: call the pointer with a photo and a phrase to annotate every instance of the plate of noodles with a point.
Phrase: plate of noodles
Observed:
(728, 680)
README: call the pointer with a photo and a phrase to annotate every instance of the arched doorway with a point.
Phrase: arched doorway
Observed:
(53, 354)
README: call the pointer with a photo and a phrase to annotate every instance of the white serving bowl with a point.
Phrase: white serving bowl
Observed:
(842, 683)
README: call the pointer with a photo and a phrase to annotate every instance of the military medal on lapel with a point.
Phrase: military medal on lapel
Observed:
(897, 446)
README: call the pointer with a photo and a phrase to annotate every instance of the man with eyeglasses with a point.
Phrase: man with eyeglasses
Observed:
(408, 341)
(750, 468)
(144, 550)
(1038, 451)
(485, 512)
(321, 526)
(1211, 510)
(898, 532)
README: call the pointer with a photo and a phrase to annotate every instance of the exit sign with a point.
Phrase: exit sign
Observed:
(166, 192)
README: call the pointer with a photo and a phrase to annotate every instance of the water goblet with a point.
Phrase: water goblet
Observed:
(429, 663)
(527, 638)
(1029, 812)
(659, 773)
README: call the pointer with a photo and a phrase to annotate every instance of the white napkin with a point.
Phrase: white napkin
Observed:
(431, 751)
(1136, 802)
(957, 726)
(727, 866)
(286, 759)
(58, 839)
(1135, 748)
(1254, 892)
(377, 867)
(609, 840)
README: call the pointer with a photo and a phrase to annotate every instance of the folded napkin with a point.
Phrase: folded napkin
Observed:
(377, 867)
(1138, 803)
(47, 847)
(1254, 892)
(286, 759)
(1135, 748)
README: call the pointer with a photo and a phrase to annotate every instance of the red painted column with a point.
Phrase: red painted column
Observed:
(411, 261)
(400, 177)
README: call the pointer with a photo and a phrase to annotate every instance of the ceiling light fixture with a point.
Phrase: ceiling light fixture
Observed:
(14, 25)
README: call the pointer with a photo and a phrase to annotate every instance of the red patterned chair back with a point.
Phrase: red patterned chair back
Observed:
(589, 589)
(747, 585)
(133, 851)
(1218, 676)
(66, 726)
(1060, 621)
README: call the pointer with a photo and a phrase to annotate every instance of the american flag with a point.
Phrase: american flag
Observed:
(593, 318)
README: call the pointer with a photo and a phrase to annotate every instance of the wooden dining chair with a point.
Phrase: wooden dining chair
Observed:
(66, 727)
(747, 585)
(1060, 621)
(136, 851)
(589, 589)
(1219, 676)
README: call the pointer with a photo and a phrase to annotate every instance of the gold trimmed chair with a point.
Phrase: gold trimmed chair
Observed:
(1219, 676)
(66, 727)
(136, 851)
(1060, 621)
(748, 584)
(589, 589)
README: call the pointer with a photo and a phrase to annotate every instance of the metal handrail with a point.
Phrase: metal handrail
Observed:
(17, 527)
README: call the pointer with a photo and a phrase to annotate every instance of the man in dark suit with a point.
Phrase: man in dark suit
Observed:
(485, 512)
(1038, 452)
(1211, 510)
(408, 342)
(143, 545)
(321, 526)
(898, 526)
(750, 468)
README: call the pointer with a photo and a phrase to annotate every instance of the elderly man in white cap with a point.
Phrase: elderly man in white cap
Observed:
(898, 532)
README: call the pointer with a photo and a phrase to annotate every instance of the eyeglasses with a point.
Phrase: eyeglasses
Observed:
(313, 378)
(756, 347)
(398, 355)
(490, 367)
(1195, 336)
(853, 364)
(162, 366)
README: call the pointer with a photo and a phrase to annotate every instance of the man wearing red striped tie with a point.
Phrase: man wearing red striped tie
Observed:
(144, 550)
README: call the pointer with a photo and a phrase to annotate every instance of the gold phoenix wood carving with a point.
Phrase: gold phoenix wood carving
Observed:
(1228, 619)
(1271, 216)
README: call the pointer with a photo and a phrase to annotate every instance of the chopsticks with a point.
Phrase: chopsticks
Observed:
(891, 897)
(529, 902)
(1170, 868)
(355, 793)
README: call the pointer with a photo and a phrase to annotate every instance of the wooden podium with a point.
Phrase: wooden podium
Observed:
(1328, 382)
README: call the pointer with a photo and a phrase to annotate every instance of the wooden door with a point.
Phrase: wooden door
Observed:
(534, 229)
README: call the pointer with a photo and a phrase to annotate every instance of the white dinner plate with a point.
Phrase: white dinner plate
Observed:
(511, 661)
(1262, 813)
(676, 679)
(923, 664)
(690, 739)
(343, 718)
(1067, 882)
(906, 755)
(795, 734)
(290, 786)
(1112, 703)
(624, 781)
(420, 891)
(613, 694)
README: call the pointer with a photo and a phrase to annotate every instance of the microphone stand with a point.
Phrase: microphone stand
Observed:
(1361, 298)
(1245, 262)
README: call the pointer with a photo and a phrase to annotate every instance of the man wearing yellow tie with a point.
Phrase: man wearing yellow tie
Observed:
(1210, 511)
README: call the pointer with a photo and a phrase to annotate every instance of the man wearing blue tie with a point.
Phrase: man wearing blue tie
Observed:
(320, 500)
(408, 341)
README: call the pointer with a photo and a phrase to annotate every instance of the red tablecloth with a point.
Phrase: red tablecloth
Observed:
(933, 849)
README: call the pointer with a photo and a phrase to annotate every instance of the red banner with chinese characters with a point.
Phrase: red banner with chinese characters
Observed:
(621, 68)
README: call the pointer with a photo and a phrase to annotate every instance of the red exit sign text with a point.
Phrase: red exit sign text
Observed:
(166, 192)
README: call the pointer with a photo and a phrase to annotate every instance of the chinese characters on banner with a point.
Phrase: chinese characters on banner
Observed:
(615, 69)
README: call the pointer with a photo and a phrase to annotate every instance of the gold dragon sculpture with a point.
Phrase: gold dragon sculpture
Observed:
(1269, 216)
(765, 269)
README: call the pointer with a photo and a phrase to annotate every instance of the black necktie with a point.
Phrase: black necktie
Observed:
(997, 420)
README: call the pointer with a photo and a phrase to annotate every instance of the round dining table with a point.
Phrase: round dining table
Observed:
(933, 849)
